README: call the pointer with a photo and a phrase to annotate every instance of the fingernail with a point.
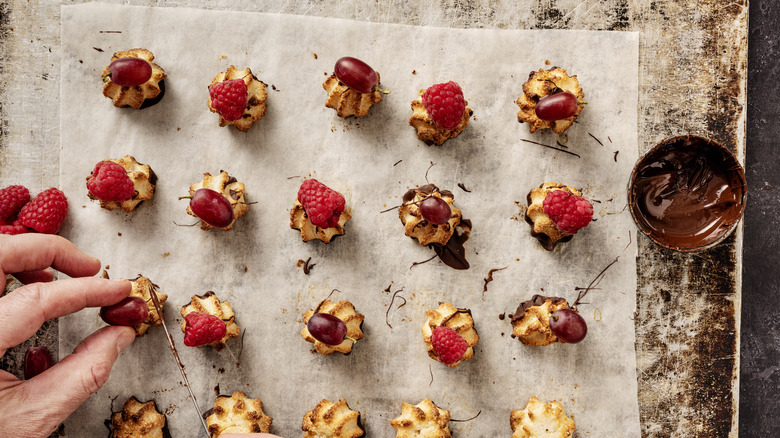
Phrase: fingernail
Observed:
(124, 340)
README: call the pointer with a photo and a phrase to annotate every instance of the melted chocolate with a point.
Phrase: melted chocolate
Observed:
(453, 254)
(687, 193)
(155, 100)
(536, 300)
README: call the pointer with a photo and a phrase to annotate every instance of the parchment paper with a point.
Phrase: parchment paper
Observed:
(254, 265)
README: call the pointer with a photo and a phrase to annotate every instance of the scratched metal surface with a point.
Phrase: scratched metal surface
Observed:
(693, 69)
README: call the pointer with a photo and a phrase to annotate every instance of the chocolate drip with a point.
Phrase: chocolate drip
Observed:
(453, 254)
(536, 300)
(687, 193)
(155, 100)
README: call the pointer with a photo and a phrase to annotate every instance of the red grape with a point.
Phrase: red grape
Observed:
(557, 106)
(128, 312)
(36, 361)
(568, 326)
(129, 72)
(327, 328)
(211, 207)
(356, 74)
(435, 210)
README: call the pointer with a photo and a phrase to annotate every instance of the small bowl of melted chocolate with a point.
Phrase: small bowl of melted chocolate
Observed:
(688, 193)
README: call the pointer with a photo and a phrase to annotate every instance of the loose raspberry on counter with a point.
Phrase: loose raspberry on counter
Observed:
(46, 212)
(12, 199)
(568, 212)
(323, 205)
(448, 345)
(229, 98)
(203, 329)
(445, 103)
(110, 182)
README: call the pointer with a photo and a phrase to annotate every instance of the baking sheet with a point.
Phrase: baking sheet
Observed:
(254, 266)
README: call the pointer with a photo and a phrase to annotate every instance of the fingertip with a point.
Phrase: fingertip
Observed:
(124, 339)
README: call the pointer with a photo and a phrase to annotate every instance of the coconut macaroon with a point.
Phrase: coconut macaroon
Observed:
(423, 420)
(428, 130)
(531, 320)
(541, 420)
(209, 303)
(144, 180)
(344, 311)
(134, 95)
(348, 102)
(332, 420)
(141, 287)
(417, 227)
(300, 221)
(230, 188)
(542, 227)
(237, 414)
(138, 420)
(544, 83)
(457, 319)
(256, 96)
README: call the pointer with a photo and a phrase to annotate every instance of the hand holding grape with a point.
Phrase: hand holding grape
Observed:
(45, 400)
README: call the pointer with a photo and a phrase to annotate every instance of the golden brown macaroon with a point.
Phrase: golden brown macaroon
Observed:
(427, 130)
(531, 320)
(237, 414)
(332, 420)
(423, 420)
(457, 319)
(209, 303)
(542, 227)
(300, 221)
(348, 102)
(343, 310)
(141, 286)
(228, 187)
(143, 178)
(140, 96)
(415, 225)
(543, 83)
(541, 420)
(256, 96)
(138, 420)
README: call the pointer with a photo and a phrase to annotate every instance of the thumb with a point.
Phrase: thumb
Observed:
(60, 390)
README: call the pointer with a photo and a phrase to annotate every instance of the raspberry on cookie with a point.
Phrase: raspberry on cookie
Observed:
(319, 212)
(205, 319)
(122, 183)
(556, 212)
(238, 97)
(440, 113)
(449, 334)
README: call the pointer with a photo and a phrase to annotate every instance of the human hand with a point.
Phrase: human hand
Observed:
(35, 407)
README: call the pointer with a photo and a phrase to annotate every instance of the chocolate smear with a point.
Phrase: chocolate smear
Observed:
(463, 187)
(594, 137)
(489, 278)
(453, 254)
(536, 300)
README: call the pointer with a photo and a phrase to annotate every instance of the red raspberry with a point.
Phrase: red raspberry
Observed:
(568, 211)
(229, 98)
(202, 329)
(12, 227)
(445, 104)
(109, 182)
(46, 212)
(323, 205)
(448, 345)
(12, 199)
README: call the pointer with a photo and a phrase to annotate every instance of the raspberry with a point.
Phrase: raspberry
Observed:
(568, 211)
(46, 212)
(323, 205)
(12, 227)
(445, 104)
(12, 199)
(109, 182)
(202, 329)
(229, 98)
(448, 345)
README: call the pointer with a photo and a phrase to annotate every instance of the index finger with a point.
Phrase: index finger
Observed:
(33, 252)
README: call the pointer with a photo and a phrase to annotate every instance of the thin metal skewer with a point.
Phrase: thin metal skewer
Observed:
(157, 306)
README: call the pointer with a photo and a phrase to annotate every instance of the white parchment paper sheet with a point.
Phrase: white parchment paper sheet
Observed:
(254, 266)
